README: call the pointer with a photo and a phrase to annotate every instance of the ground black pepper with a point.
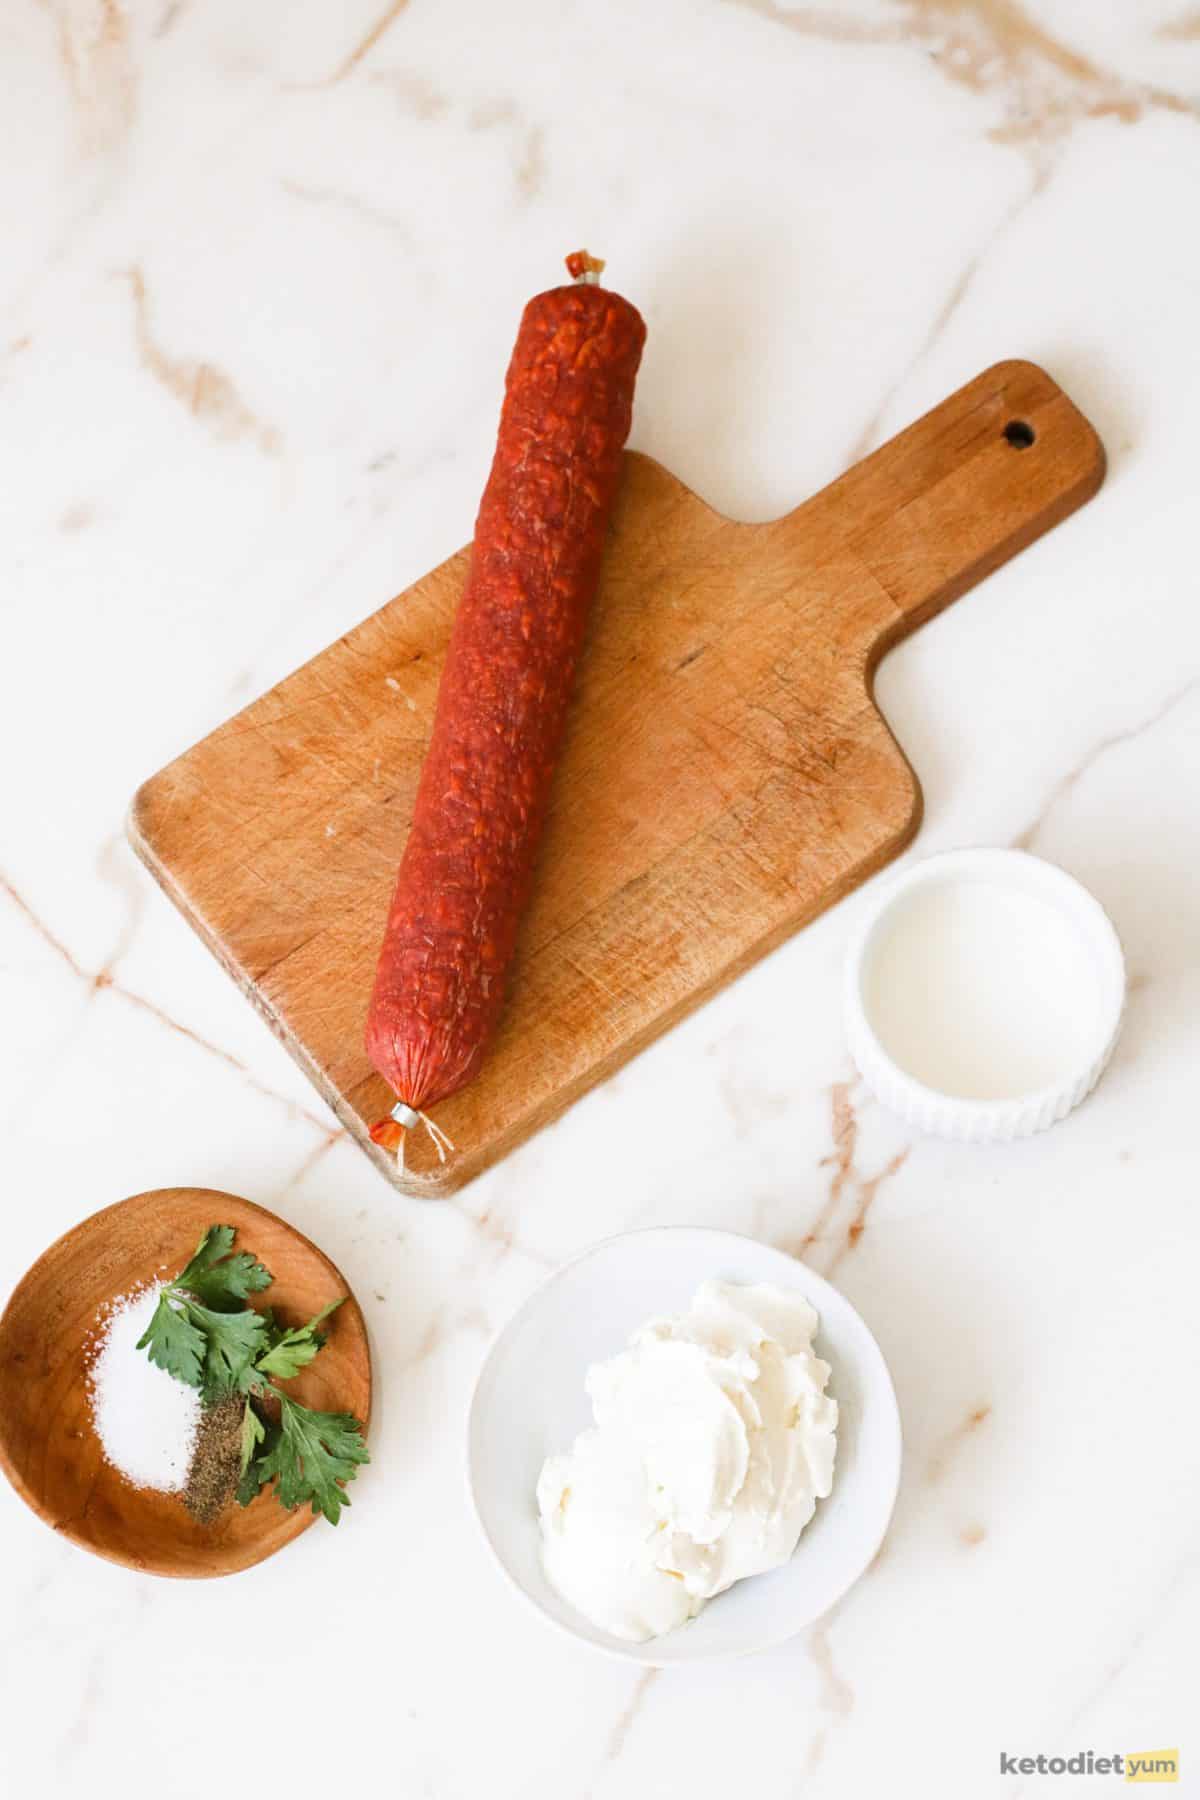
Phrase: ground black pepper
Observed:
(216, 1461)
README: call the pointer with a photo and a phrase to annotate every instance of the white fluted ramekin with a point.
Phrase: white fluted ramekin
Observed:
(983, 1121)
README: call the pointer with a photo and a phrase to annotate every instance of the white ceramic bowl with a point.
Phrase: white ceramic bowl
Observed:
(984, 994)
(530, 1403)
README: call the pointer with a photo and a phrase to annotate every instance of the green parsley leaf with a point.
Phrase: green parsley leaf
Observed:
(250, 1485)
(312, 1453)
(174, 1343)
(216, 1243)
(233, 1341)
(253, 1433)
(291, 1351)
(216, 1278)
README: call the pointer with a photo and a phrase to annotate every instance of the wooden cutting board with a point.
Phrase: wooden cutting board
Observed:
(726, 777)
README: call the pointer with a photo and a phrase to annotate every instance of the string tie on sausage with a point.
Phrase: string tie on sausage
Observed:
(583, 267)
(406, 1118)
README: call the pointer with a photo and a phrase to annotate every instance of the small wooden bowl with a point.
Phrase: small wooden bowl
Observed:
(48, 1447)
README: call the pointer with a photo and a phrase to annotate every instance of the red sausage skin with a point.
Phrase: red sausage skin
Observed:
(502, 705)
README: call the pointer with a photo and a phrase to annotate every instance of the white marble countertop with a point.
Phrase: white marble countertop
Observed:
(261, 272)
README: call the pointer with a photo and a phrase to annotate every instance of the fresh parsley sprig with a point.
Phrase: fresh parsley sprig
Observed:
(219, 1276)
(202, 1331)
(307, 1453)
(291, 1351)
(205, 1334)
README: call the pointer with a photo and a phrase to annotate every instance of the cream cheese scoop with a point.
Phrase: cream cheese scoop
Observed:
(713, 1441)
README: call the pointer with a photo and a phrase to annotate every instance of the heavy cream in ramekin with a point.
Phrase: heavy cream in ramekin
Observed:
(984, 994)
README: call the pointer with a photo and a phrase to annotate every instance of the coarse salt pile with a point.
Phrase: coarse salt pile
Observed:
(146, 1420)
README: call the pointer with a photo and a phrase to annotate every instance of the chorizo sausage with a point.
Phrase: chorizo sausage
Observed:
(502, 704)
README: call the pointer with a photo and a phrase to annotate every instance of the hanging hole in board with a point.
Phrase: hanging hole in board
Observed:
(1019, 434)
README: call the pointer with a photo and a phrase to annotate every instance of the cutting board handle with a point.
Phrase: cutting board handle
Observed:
(963, 489)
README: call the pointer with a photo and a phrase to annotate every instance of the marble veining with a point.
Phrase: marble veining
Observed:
(261, 274)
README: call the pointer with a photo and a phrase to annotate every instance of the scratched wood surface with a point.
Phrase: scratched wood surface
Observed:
(726, 777)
